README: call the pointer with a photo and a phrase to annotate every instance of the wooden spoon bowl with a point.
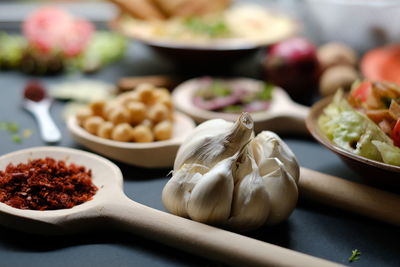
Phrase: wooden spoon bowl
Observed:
(158, 154)
(374, 171)
(111, 208)
(283, 116)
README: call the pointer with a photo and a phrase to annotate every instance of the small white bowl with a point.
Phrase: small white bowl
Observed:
(157, 154)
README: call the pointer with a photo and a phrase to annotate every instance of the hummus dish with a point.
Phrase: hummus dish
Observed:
(236, 26)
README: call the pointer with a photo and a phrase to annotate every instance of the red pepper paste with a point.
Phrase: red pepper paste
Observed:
(45, 184)
(34, 91)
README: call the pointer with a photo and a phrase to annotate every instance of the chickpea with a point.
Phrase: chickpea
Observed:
(162, 93)
(142, 133)
(122, 132)
(92, 124)
(158, 112)
(83, 114)
(145, 93)
(109, 107)
(148, 123)
(166, 102)
(105, 130)
(119, 115)
(163, 130)
(128, 97)
(97, 107)
(137, 112)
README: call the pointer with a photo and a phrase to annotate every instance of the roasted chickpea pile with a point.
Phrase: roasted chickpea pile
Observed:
(142, 115)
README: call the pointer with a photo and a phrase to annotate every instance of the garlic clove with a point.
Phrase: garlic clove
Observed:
(176, 192)
(251, 204)
(210, 199)
(267, 145)
(215, 140)
(282, 190)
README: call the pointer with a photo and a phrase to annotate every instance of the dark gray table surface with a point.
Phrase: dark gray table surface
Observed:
(312, 228)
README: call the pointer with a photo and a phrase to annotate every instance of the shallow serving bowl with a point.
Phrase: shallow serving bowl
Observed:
(201, 54)
(150, 155)
(372, 170)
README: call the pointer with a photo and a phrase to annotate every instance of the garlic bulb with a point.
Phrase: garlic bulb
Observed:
(224, 175)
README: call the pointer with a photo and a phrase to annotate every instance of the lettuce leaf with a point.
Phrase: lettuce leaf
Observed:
(355, 132)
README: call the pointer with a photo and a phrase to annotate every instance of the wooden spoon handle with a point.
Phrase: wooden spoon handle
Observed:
(291, 119)
(204, 240)
(350, 196)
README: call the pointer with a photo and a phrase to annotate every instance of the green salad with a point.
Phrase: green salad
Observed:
(355, 132)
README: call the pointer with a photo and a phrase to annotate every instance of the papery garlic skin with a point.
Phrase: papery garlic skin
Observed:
(282, 191)
(217, 139)
(209, 144)
(251, 203)
(211, 198)
(268, 144)
(224, 175)
(280, 171)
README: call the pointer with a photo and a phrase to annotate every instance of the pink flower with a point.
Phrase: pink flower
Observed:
(52, 29)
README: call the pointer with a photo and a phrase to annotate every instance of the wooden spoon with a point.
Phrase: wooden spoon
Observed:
(110, 207)
(283, 116)
(353, 197)
(158, 154)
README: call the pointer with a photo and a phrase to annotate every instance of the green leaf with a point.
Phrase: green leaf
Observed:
(212, 28)
(355, 255)
(12, 127)
(16, 138)
(233, 109)
(266, 92)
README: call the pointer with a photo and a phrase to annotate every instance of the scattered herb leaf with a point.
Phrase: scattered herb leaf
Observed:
(16, 138)
(27, 133)
(355, 255)
(13, 128)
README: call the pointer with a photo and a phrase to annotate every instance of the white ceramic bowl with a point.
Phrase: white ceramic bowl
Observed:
(150, 155)
(363, 24)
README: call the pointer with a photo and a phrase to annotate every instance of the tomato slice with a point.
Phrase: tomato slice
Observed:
(382, 64)
(362, 91)
(396, 133)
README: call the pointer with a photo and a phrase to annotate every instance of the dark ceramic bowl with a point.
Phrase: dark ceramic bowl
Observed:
(185, 54)
(373, 171)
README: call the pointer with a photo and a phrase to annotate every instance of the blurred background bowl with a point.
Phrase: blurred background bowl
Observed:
(362, 24)
(216, 52)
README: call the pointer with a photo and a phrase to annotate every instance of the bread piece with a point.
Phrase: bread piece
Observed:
(191, 7)
(141, 9)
